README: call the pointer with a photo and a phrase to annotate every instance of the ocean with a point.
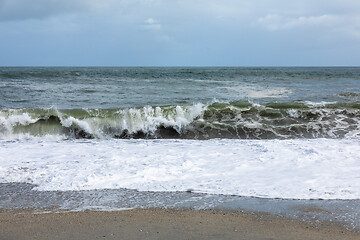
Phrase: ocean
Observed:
(270, 133)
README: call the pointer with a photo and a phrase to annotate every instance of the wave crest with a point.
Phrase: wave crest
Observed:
(241, 119)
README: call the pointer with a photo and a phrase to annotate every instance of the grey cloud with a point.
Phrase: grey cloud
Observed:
(12, 10)
(178, 32)
(275, 22)
(338, 25)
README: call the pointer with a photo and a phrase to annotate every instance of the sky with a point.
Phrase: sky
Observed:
(179, 33)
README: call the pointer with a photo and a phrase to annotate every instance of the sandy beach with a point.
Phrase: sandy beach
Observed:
(163, 224)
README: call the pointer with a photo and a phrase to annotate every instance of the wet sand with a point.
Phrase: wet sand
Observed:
(164, 224)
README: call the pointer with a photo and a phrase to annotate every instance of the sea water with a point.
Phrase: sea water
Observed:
(288, 133)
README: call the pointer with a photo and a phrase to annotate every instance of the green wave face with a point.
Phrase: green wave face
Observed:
(243, 119)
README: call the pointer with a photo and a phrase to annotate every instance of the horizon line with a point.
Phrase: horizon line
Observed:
(178, 66)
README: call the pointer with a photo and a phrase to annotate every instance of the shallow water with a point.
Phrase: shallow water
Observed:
(22, 197)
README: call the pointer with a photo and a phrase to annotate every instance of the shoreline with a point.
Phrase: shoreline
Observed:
(24, 197)
(164, 224)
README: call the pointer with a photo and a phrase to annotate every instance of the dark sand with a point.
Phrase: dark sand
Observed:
(163, 224)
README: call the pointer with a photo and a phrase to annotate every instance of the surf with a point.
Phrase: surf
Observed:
(233, 120)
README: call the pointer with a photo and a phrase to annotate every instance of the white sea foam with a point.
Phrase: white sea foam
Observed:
(148, 119)
(8, 122)
(303, 169)
(260, 92)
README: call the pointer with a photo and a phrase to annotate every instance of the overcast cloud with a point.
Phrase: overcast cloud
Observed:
(179, 32)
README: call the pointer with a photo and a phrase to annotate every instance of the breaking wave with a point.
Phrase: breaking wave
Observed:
(237, 120)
